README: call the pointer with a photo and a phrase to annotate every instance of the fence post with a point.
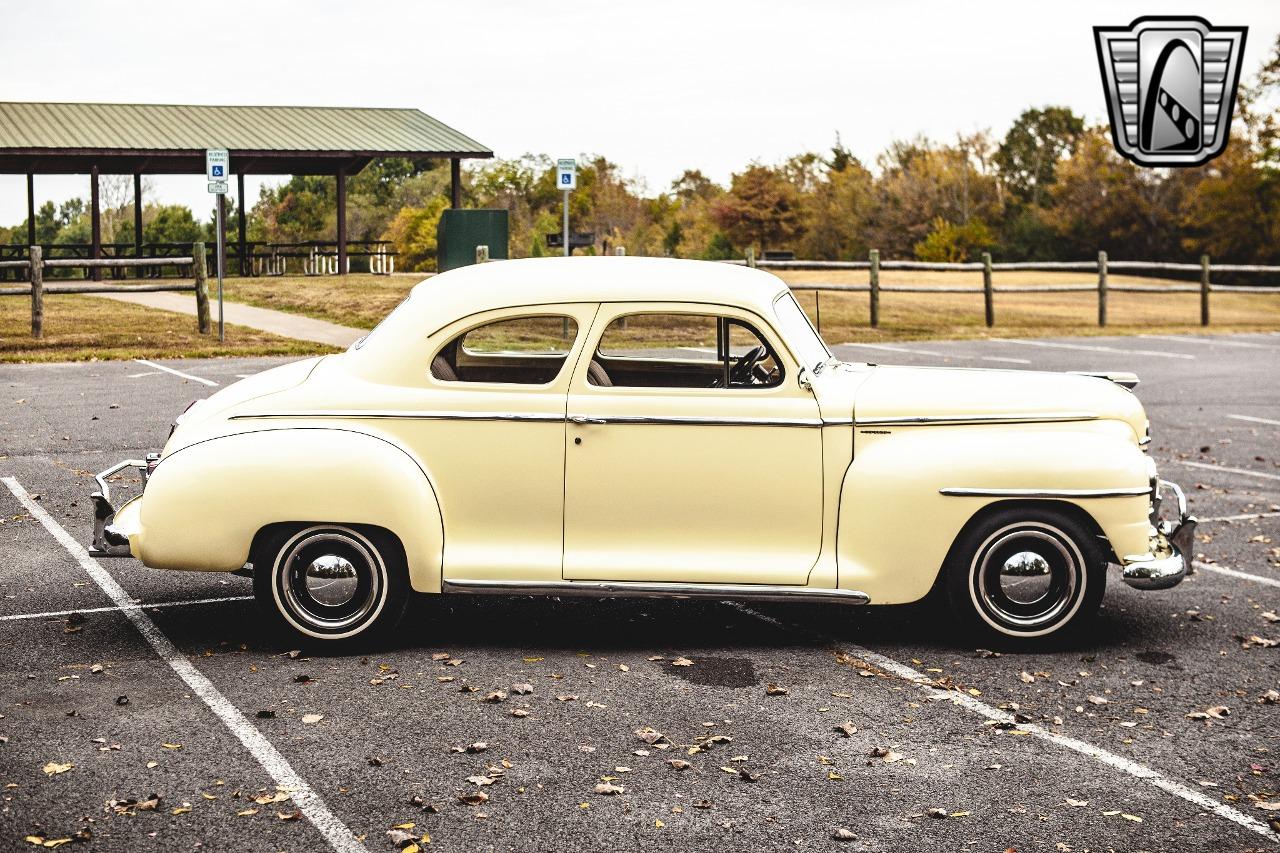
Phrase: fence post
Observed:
(875, 288)
(37, 292)
(1204, 290)
(751, 256)
(482, 254)
(1102, 288)
(988, 294)
(202, 290)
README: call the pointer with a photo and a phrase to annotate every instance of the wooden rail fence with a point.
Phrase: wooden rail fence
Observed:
(36, 264)
(1102, 267)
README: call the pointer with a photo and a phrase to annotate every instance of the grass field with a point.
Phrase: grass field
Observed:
(80, 328)
(363, 300)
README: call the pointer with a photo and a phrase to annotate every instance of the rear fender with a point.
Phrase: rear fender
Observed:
(204, 503)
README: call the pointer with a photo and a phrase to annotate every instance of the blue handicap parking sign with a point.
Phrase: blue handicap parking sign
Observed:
(217, 171)
(566, 178)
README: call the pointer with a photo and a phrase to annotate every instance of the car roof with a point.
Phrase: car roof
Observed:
(541, 281)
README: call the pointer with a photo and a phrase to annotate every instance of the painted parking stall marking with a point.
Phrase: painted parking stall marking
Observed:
(977, 706)
(935, 354)
(189, 376)
(1251, 419)
(53, 614)
(311, 805)
(1095, 348)
(1210, 341)
(1235, 573)
(1244, 472)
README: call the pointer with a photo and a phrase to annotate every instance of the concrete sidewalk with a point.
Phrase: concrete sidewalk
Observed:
(263, 319)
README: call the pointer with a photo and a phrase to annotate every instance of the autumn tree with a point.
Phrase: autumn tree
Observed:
(761, 209)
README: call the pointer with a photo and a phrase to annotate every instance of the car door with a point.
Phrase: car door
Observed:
(676, 471)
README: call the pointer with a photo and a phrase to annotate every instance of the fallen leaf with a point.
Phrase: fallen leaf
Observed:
(1076, 804)
(522, 689)
(1271, 697)
(843, 834)
(609, 789)
(847, 729)
(1271, 616)
(172, 745)
(312, 718)
(679, 764)
(936, 813)
(480, 780)
(519, 712)
(53, 768)
(775, 690)
(246, 812)
(399, 837)
(650, 735)
(1268, 807)
(1098, 700)
(1026, 677)
(474, 798)
(682, 661)
(566, 697)
(478, 746)
(1132, 817)
(496, 696)
(747, 776)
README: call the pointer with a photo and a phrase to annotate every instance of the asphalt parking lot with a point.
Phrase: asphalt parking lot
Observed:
(146, 710)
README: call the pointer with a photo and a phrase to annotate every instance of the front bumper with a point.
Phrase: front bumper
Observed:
(1169, 560)
(107, 540)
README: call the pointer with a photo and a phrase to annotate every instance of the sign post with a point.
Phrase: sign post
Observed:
(217, 163)
(567, 181)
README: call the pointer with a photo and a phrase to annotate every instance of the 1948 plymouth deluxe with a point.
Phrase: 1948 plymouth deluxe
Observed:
(628, 426)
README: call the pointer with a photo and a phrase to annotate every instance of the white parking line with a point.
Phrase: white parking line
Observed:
(1242, 471)
(140, 375)
(1118, 762)
(1248, 516)
(50, 614)
(1211, 340)
(1254, 420)
(1223, 570)
(911, 351)
(200, 379)
(1005, 360)
(340, 838)
(1095, 348)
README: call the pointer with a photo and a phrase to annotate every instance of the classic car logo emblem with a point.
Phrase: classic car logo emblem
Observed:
(1171, 86)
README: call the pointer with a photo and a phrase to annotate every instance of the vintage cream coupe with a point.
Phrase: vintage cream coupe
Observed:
(628, 426)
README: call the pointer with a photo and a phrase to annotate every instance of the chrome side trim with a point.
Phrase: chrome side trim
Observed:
(678, 420)
(1032, 418)
(1124, 492)
(631, 589)
(391, 414)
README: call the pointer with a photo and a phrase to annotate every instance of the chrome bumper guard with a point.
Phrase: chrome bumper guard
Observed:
(1171, 547)
(108, 542)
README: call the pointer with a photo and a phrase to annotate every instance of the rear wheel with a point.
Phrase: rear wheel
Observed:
(331, 582)
(1026, 573)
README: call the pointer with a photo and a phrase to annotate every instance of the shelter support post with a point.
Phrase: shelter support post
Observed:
(95, 218)
(31, 209)
(245, 267)
(137, 221)
(342, 220)
(455, 182)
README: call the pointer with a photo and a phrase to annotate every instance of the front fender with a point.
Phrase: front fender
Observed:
(895, 528)
(205, 502)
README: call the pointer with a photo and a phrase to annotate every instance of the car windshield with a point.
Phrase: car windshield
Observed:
(799, 332)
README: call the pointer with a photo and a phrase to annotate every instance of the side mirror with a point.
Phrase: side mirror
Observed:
(803, 380)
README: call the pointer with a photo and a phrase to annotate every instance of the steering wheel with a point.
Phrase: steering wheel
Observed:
(742, 372)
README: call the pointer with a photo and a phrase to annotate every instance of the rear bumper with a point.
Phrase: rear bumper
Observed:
(110, 539)
(1169, 560)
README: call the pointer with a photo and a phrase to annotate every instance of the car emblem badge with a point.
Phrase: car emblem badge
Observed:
(1170, 84)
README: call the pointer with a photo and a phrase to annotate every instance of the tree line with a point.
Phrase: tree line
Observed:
(1051, 187)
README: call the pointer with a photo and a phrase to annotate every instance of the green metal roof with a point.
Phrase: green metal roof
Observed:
(56, 131)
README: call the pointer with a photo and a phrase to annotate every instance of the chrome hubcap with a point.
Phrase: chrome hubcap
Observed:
(331, 580)
(1027, 577)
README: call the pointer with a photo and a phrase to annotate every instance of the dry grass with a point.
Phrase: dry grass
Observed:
(81, 328)
(363, 300)
(922, 316)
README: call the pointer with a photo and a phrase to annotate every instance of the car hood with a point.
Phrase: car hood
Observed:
(957, 394)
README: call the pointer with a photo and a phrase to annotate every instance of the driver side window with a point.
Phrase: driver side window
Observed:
(674, 350)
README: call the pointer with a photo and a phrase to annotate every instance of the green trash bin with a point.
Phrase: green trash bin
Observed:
(461, 230)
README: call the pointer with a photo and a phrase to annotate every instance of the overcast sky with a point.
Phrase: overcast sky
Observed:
(656, 86)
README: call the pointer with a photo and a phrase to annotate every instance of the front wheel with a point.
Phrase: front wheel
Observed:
(331, 582)
(1026, 573)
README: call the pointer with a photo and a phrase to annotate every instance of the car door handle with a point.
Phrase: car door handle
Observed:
(582, 420)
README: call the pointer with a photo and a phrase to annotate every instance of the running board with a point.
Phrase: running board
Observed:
(632, 589)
